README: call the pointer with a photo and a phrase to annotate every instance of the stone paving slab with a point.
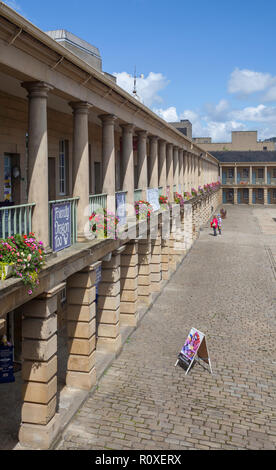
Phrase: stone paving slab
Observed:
(226, 288)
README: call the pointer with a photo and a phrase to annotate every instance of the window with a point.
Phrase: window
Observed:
(62, 167)
(230, 173)
(245, 194)
(274, 194)
(260, 194)
(264, 148)
(260, 173)
(245, 173)
(229, 195)
(274, 173)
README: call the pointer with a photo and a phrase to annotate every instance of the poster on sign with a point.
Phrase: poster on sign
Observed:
(194, 347)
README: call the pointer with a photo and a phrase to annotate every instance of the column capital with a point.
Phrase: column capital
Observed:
(80, 106)
(141, 133)
(107, 118)
(169, 145)
(153, 138)
(37, 89)
(175, 147)
(128, 128)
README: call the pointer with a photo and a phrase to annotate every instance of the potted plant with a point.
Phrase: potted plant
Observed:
(26, 256)
(104, 224)
(178, 199)
(7, 258)
(143, 210)
(194, 192)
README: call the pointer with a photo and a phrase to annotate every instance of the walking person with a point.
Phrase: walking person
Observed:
(214, 225)
(219, 223)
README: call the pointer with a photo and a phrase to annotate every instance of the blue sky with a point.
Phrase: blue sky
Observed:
(209, 61)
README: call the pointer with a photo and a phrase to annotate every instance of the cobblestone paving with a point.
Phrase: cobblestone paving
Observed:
(226, 288)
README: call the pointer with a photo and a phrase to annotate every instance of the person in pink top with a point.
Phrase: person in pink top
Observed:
(214, 225)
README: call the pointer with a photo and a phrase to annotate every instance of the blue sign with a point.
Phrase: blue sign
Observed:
(121, 207)
(153, 198)
(61, 221)
(6, 364)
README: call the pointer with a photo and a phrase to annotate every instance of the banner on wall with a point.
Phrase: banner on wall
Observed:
(153, 198)
(61, 221)
(195, 347)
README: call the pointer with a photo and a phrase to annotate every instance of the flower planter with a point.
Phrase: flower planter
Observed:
(6, 270)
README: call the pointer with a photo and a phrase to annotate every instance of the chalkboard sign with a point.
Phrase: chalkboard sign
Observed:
(61, 222)
(153, 198)
(6, 364)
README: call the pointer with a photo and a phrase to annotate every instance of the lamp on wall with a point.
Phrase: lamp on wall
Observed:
(16, 171)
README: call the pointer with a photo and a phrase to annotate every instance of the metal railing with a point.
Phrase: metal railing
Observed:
(16, 219)
(96, 201)
(138, 194)
(73, 201)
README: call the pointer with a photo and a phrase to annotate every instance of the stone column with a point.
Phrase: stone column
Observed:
(192, 170)
(129, 284)
(38, 158)
(81, 164)
(108, 159)
(144, 270)
(156, 271)
(153, 162)
(265, 196)
(189, 171)
(128, 162)
(250, 196)
(250, 174)
(188, 226)
(265, 175)
(185, 170)
(181, 169)
(108, 308)
(175, 168)
(39, 421)
(142, 163)
(81, 328)
(169, 169)
(235, 195)
(235, 175)
(162, 165)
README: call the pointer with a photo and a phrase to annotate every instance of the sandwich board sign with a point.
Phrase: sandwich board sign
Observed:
(195, 347)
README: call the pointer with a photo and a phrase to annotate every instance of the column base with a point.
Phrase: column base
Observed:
(129, 319)
(81, 380)
(38, 436)
(109, 344)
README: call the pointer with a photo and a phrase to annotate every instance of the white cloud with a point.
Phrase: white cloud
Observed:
(148, 88)
(169, 114)
(246, 82)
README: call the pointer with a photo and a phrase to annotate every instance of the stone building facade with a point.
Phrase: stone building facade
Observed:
(248, 177)
(71, 139)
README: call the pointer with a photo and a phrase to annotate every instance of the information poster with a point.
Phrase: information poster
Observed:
(195, 345)
(153, 198)
(121, 207)
(61, 220)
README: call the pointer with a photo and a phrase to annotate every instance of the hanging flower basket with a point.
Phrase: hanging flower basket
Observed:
(6, 270)
(22, 256)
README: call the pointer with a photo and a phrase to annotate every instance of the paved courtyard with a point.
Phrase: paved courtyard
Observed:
(225, 287)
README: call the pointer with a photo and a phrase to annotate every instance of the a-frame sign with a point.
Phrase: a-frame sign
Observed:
(195, 348)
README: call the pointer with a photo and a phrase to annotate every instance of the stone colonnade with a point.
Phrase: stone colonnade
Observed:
(98, 310)
(174, 168)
